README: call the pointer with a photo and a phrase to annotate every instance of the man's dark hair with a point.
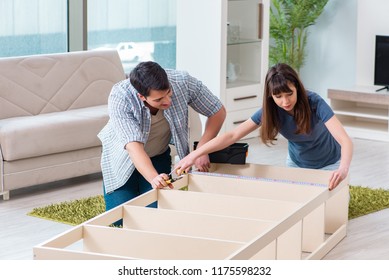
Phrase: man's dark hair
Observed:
(148, 76)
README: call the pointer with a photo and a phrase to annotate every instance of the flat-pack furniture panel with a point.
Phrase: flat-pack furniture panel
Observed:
(276, 173)
(269, 252)
(314, 229)
(289, 244)
(286, 184)
(193, 224)
(244, 207)
(268, 189)
(337, 209)
(253, 187)
(240, 213)
(151, 245)
(336, 204)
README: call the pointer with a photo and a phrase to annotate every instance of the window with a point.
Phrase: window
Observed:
(140, 30)
(32, 27)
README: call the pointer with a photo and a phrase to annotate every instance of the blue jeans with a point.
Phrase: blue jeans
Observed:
(137, 184)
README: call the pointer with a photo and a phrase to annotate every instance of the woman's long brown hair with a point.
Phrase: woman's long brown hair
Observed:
(276, 82)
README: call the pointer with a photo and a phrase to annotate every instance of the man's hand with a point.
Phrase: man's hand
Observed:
(202, 163)
(159, 182)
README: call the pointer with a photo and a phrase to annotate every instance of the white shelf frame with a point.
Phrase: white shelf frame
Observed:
(363, 111)
(203, 50)
(250, 212)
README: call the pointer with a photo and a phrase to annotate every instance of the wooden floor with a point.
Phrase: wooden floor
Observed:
(367, 237)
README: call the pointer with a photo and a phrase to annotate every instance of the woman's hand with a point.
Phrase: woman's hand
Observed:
(337, 177)
(185, 164)
(339, 133)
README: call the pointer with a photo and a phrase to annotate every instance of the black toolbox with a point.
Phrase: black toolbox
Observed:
(234, 154)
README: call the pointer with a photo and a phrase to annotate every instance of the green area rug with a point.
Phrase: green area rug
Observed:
(72, 212)
(363, 201)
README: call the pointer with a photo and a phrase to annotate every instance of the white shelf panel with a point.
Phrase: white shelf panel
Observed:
(365, 112)
(240, 83)
(244, 41)
(365, 126)
(376, 135)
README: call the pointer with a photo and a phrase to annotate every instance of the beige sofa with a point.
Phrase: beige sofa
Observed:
(51, 109)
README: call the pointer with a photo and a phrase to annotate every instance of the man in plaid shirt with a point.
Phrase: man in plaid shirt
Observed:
(147, 112)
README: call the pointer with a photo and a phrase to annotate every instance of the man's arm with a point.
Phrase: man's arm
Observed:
(212, 128)
(144, 165)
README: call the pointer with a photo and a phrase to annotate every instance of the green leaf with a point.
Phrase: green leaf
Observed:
(289, 21)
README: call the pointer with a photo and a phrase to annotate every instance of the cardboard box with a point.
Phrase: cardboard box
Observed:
(238, 212)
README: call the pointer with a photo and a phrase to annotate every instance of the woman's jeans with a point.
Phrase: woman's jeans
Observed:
(136, 184)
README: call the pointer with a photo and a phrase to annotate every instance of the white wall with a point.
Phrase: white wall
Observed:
(331, 48)
(373, 19)
(341, 45)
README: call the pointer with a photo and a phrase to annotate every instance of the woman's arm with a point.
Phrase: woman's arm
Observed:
(216, 144)
(341, 136)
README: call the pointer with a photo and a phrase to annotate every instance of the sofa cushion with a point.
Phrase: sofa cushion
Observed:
(32, 136)
(42, 84)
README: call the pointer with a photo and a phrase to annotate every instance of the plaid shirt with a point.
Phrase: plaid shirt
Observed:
(130, 121)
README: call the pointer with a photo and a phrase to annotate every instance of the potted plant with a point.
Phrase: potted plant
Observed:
(289, 22)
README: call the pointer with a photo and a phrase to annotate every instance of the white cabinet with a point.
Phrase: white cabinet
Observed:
(362, 111)
(225, 44)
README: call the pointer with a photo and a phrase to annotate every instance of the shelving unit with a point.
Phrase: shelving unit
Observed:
(251, 212)
(208, 51)
(363, 111)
